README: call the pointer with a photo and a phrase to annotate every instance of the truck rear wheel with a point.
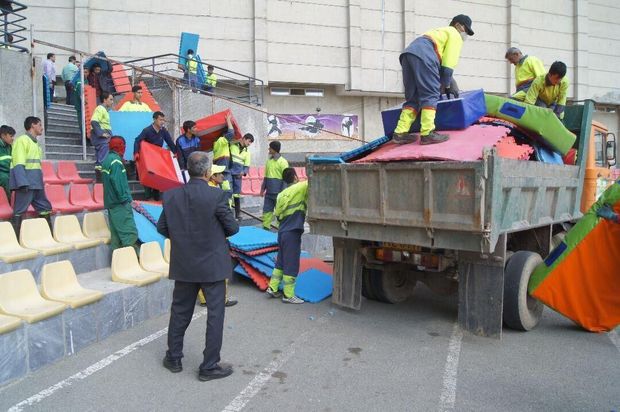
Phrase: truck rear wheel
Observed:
(392, 286)
(521, 311)
(366, 283)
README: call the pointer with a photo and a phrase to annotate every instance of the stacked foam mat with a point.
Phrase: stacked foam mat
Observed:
(256, 251)
(581, 277)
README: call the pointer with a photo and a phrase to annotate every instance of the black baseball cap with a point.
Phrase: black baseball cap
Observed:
(465, 21)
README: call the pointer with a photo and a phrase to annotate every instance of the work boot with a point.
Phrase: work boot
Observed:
(16, 221)
(293, 299)
(404, 138)
(273, 293)
(434, 137)
(237, 208)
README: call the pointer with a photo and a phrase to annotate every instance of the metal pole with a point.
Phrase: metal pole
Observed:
(34, 73)
(153, 70)
(83, 111)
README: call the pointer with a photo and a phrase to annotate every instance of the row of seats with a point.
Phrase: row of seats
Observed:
(21, 299)
(80, 199)
(35, 236)
(66, 173)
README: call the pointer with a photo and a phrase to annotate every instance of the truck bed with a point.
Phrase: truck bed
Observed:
(446, 205)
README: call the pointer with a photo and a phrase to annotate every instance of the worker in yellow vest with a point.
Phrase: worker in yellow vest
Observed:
(191, 69)
(272, 183)
(239, 166)
(550, 90)
(221, 155)
(428, 64)
(26, 176)
(211, 79)
(215, 180)
(527, 68)
(135, 104)
(291, 213)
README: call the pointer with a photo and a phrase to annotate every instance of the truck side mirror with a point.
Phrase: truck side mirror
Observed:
(610, 149)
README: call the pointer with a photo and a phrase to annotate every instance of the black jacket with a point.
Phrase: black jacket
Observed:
(197, 219)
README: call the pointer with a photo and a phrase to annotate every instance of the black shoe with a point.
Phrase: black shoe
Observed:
(218, 372)
(174, 366)
(433, 138)
(231, 302)
(404, 138)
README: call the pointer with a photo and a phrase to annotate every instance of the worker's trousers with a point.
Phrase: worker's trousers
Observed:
(36, 197)
(123, 229)
(102, 147)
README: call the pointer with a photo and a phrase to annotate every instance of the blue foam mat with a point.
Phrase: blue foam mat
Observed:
(241, 271)
(129, 125)
(252, 238)
(153, 210)
(188, 41)
(263, 268)
(147, 232)
(313, 285)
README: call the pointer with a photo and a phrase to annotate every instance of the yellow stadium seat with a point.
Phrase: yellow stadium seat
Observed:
(10, 249)
(167, 250)
(151, 258)
(9, 323)
(95, 227)
(67, 230)
(126, 269)
(59, 283)
(19, 296)
(35, 234)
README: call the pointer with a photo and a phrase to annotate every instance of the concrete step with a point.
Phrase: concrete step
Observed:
(67, 148)
(55, 115)
(60, 107)
(67, 156)
(63, 140)
(63, 131)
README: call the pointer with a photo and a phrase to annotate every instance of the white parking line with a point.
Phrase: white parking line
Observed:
(448, 393)
(95, 367)
(262, 378)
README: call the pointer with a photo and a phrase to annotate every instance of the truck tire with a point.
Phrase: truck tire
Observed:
(366, 283)
(392, 286)
(521, 311)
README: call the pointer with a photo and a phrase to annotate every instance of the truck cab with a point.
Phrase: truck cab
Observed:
(601, 156)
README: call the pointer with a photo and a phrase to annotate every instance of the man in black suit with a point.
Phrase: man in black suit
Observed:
(197, 219)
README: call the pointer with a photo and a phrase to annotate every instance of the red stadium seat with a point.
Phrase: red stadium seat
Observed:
(80, 195)
(68, 170)
(6, 211)
(246, 186)
(98, 193)
(261, 172)
(57, 197)
(253, 172)
(256, 185)
(49, 174)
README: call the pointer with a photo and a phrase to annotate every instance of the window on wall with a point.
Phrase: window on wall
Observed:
(285, 91)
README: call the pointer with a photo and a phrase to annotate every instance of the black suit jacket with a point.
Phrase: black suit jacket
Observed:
(197, 219)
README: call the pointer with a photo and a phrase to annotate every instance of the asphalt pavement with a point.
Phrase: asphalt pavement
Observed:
(318, 357)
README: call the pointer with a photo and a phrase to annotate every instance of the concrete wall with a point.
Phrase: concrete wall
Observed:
(16, 89)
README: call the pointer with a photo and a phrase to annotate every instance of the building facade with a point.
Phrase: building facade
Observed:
(341, 56)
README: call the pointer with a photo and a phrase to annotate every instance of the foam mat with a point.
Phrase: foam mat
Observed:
(253, 238)
(313, 285)
(147, 232)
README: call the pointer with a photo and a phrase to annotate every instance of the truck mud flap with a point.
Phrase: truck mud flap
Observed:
(348, 264)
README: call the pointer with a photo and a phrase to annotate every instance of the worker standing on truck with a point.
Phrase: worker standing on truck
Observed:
(428, 64)
(527, 68)
(272, 183)
(291, 213)
(550, 90)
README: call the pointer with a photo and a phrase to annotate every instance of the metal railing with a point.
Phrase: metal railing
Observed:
(10, 29)
(230, 84)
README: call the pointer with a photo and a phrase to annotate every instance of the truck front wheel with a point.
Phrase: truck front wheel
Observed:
(521, 311)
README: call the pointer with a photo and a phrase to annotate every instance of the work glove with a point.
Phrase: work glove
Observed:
(450, 93)
(606, 212)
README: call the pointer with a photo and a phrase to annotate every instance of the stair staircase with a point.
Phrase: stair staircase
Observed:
(63, 141)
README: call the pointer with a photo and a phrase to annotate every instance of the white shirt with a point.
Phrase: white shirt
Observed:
(49, 70)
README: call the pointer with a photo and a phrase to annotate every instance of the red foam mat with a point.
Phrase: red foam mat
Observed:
(314, 263)
(257, 252)
(258, 278)
(464, 145)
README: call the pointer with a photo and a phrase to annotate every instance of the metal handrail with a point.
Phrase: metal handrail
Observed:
(230, 83)
(9, 27)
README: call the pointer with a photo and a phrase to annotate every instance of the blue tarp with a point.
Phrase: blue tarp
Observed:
(147, 232)
(453, 114)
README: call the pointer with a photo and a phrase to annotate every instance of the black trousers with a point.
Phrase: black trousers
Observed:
(183, 303)
(69, 90)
